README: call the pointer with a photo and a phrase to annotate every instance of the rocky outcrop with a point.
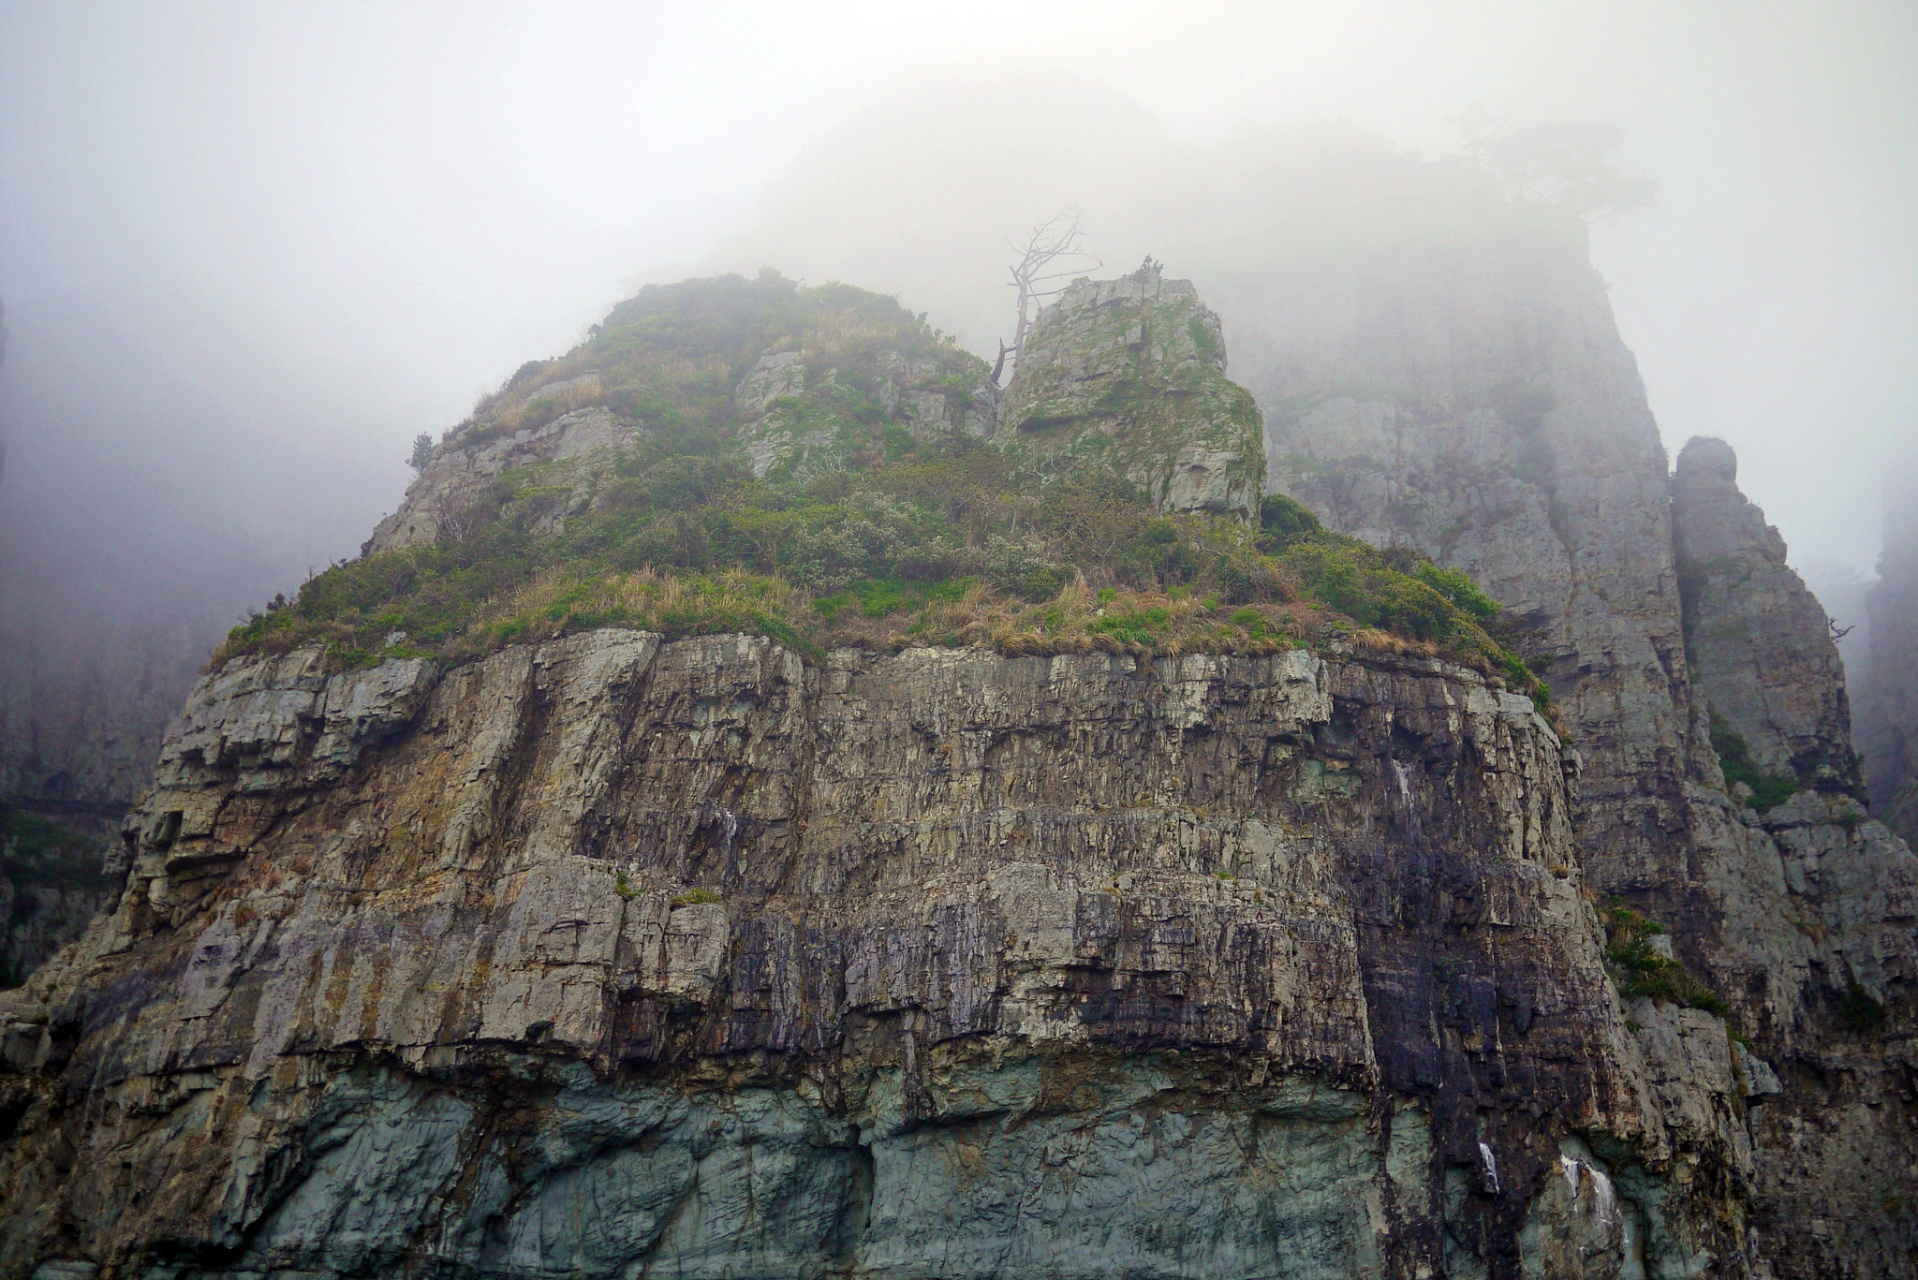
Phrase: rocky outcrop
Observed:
(797, 408)
(826, 397)
(1888, 715)
(1130, 374)
(612, 956)
(1759, 644)
(1478, 407)
(577, 445)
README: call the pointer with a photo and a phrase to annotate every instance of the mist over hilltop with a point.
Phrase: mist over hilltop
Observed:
(354, 221)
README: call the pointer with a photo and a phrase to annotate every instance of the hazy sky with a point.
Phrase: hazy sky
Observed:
(342, 222)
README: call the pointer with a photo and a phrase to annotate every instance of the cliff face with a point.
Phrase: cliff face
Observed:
(89, 677)
(610, 954)
(1888, 718)
(613, 955)
(1480, 409)
(87, 686)
(87, 683)
(142, 509)
(1477, 406)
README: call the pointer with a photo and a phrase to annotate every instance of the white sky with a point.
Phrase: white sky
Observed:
(345, 221)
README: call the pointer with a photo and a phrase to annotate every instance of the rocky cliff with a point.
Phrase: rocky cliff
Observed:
(1478, 407)
(142, 509)
(614, 956)
(645, 859)
(1759, 644)
(88, 687)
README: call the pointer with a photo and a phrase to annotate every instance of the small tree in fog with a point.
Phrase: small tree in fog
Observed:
(422, 451)
(1565, 164)
(1050, 254)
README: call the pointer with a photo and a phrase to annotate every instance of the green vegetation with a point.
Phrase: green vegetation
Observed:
(1734, 757)
(1281, 518)
(900, 538)
(37, 854)
(47, 852)
(1638, 969)
(696, 898)
(1858, 1010)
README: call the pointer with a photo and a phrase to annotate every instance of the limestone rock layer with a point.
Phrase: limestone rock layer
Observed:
(613, 956)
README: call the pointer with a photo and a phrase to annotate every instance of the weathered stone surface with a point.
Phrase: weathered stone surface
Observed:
(88, 681)
(614, 954)
(1130, 374)
(1480, 408)
(53, 879)
(1759, 643)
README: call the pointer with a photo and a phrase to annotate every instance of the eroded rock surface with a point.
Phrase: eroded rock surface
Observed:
(579, 444)
(800, 413)
(612, 956)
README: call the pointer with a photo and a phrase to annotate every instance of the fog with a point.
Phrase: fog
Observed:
(248, 251)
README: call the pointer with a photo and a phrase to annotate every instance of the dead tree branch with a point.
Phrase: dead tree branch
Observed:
(1050, 254)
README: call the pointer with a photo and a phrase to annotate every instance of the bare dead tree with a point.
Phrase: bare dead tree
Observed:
(1050, 255)
(1838, 632)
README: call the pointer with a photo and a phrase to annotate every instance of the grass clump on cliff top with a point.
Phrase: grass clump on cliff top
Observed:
(905, 540)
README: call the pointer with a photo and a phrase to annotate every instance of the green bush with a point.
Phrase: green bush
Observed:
(1459, 589)
(1858, 1010)
(1639, 970)
(1282, 518)
(1734, 757)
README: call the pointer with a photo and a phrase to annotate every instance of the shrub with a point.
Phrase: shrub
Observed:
(1282, 518)
(1638, 969)
(1858, 1010)
(1734, 757)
